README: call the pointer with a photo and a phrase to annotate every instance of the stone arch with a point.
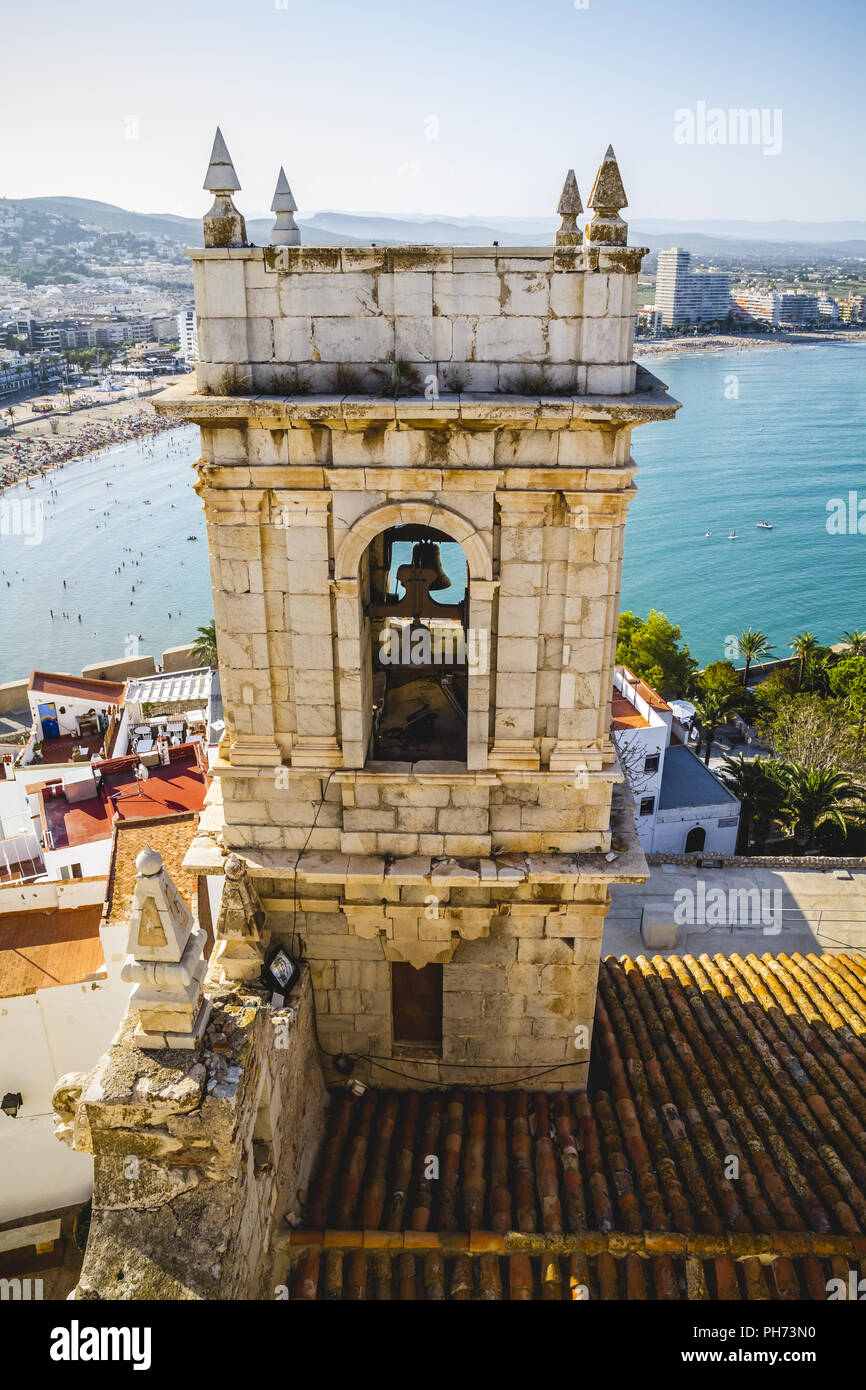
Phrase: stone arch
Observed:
(696, 840)
(352, 657)
(371, 524)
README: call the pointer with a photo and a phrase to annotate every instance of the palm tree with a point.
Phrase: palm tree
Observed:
(856, 640)
(754, 645)
(756, 786)
(204, 649)
(813, 795)
(803, 645)
(713, 708)
(11, 413)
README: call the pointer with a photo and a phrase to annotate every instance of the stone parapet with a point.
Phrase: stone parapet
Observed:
(297, 318)
(198, 1159)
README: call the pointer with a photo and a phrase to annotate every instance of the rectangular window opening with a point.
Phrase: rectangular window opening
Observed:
(416, 1003)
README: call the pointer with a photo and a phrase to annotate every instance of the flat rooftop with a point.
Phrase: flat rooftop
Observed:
(687, 782)
(624, 715)
(179, 787)
(57, 947)
(77, 822)
(76, 687)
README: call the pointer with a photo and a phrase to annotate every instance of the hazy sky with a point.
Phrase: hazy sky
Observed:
(119, 102)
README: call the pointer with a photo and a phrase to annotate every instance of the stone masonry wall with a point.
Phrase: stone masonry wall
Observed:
(297, 318)
(199, 1155)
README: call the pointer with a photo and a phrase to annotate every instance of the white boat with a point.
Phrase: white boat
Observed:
(764, 525)
(733, 536)
(707, 533)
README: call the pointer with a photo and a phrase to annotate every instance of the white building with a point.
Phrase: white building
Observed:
(685, 296)
(681, 807)
(187, 336)
(767, 306)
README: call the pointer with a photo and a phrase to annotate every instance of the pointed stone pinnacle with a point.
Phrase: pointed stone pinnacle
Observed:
(221, 176)
(285, 230)
(569, 233)
(607, 228)
(569, 202)
(607, 191)
(283, 199)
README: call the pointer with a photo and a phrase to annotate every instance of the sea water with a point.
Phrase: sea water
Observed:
(775, 435)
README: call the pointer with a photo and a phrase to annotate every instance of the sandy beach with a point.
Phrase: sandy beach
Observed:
(37, 444)
(738, 342)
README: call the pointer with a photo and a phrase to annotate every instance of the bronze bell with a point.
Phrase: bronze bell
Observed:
(425, 555)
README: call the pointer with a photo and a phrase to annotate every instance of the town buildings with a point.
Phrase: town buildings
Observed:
(187, 336)
(74, 815)
(778, 309)
(686, 296)
(681, 807)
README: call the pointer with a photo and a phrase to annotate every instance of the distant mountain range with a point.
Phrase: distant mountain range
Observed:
(780, 240)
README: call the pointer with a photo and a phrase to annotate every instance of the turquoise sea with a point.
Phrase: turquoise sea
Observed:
(763, 435)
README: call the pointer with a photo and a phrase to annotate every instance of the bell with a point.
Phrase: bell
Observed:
(425, 555)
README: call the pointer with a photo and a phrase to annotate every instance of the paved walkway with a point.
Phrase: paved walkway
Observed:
(805, 910)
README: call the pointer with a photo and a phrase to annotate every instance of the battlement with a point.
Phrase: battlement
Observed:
(292, 320)
(416, 320)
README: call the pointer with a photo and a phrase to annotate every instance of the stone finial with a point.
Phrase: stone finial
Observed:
(285, 230)
(223, 224)
(569, 209)
(240, 927)
(606, 199)
(165, 962)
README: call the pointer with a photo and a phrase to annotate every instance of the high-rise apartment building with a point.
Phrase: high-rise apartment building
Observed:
(687, 296)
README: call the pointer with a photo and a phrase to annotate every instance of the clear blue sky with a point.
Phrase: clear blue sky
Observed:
(341, 91)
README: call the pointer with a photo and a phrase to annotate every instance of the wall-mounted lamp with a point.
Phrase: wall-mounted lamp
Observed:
(12, 1103)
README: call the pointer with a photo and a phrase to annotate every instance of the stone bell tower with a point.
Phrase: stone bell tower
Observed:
(415, 471)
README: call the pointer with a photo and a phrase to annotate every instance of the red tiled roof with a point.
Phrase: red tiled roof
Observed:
(59, 947)
(626, 1189)
(76, 687)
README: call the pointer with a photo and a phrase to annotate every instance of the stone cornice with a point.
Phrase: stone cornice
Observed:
(480, 411)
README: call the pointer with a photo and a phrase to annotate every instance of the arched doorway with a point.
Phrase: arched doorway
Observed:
(416, 577)
(696, 839)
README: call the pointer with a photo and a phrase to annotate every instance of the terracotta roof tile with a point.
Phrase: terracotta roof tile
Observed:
(628, 1189)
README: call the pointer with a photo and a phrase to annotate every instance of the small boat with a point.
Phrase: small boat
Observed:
(733, 536)
(764, 525)
(707, 533)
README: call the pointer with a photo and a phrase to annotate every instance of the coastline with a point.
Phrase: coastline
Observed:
(40, 445)
(737, 342)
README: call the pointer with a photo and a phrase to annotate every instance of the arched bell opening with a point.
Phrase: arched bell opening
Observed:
(418, 610)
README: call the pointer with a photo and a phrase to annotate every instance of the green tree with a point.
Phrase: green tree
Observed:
(848, 682)
(774, 693)
(653, 649)
(10, 412)
(755, 784)
(204, 649)
(713, 707)
(754, 645)
(809, 730)
(722, 678)
(856, 640)
(813, 795)
(803, 645)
